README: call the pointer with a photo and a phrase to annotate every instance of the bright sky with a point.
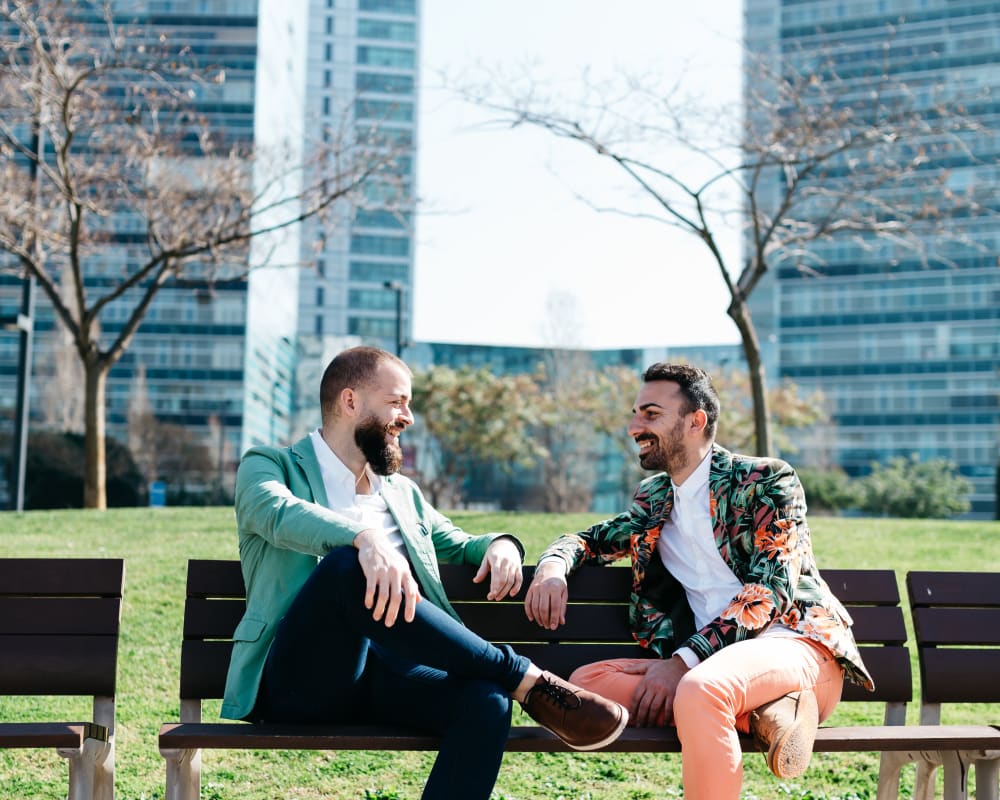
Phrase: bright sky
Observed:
(502, 230)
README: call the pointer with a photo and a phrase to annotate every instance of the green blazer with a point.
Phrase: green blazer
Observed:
(285, 528)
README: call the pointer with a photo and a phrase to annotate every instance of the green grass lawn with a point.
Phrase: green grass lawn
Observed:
(157, 543)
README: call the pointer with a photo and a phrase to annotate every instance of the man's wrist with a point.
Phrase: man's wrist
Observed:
(552, 562)
(364, 538)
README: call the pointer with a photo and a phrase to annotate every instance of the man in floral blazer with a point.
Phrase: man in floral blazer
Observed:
(741, 630)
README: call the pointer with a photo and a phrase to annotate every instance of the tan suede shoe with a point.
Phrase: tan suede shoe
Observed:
(785, 730)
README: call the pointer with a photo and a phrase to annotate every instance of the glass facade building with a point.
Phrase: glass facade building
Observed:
(191, 343)
(906, 351)
(363, 58)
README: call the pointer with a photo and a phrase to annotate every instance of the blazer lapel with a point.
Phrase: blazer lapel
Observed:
(305, 457)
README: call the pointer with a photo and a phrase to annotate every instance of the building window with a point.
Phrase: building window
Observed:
(371, 299)
(392, 31)
(319, 296)
(329, 25)
(389, 6)
(326, 106)
(328, 52)
(384, 110)
(366, 326)
(327, 78)
(378, 273)
(386, 57)
(386, 84)
(318, 325)
(380, 245)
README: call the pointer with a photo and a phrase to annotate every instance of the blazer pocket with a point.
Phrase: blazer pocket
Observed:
(249, 629)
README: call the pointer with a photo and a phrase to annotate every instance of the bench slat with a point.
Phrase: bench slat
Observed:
(960, 676)
(890, 669)
(62, 577)
(957, 626)
(203, 669)
(47, 616)
(215, 578)
(863, 586)
(533, 739)
(49, 734)
(953, 588)
(58, 665)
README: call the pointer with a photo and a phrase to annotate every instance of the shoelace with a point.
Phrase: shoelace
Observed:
(559, 695)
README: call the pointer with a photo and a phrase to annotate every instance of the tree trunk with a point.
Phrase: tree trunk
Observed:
(95, 493)
(740, 314)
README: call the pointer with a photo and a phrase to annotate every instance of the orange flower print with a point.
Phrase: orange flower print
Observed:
(777, 543)
(821, 624)
(751, 608)
(791, 618)
(713, 507)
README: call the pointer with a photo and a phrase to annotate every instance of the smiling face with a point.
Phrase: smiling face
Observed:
(384, 413)
(667, 435)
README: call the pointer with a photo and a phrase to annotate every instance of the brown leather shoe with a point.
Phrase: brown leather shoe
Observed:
(582, 719)
(785, 730)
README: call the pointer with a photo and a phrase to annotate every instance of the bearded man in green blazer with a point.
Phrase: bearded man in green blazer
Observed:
(347, 620)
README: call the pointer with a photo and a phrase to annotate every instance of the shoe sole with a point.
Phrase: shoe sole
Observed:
(611, 737)
(789, 757)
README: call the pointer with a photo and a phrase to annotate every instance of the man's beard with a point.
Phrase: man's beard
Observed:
(669, 454)
(384, 454)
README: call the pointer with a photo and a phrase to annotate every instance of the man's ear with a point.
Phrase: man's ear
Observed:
(699, 419)
(349, 401)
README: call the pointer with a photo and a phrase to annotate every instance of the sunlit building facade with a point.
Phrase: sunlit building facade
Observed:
(191, 344)
(357, 281)
(907, 352)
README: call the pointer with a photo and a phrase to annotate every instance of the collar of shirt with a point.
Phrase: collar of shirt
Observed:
(339, 481)
(696, 484)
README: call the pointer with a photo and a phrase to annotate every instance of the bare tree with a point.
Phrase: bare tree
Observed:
(125, 151)
(847, 154)
(62, 403)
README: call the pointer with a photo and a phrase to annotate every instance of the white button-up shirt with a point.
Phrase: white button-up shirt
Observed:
(342, 493)
(687, 548)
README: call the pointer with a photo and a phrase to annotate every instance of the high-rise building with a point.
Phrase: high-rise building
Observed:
(190, 346)
(358, 279)
(907, 352)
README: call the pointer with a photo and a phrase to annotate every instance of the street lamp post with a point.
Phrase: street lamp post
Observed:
(398, 288)
(23, 323)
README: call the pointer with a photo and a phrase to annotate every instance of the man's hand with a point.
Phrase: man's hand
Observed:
(653, 700)
(390, 582)
(503, 563)
(545, 602)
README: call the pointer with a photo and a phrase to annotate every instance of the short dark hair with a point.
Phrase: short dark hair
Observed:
(353, 368)
(696, 387)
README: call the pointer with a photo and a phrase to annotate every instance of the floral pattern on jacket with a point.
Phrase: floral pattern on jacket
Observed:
(758, 513)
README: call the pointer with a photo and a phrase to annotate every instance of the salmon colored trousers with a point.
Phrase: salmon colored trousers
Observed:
(714, 700)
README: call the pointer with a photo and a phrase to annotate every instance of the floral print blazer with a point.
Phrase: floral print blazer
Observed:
(759, 521)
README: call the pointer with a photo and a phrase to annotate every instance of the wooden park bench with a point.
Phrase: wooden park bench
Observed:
(956, 619)
(59, 622)
(596, 628)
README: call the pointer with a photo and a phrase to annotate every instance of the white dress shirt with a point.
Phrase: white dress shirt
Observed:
(342, 493)
(687, 548)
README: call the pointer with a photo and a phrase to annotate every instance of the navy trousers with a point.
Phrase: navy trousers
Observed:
(331, 662)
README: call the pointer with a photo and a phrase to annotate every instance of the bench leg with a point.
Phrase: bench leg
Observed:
(889, 766)
(988, 779)
(956, 775)
(104, 772)
(81, 763)
(104, 765)
(183, 774)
